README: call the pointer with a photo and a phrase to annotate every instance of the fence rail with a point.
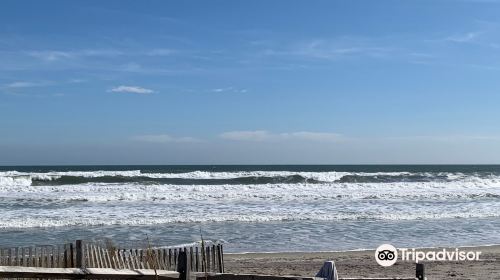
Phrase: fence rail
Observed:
(80, 254)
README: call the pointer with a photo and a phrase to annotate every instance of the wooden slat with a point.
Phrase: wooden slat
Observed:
(140, 259)
(207, 255)
(120, 255)
(169, 258)
(106, 262)
(111, 265)
(88, 254)
(214, 262)
(197, 259)
(42, 257)
(102, 257)
(163, 259)
(113, 260)
(135, 259)
(52, 264)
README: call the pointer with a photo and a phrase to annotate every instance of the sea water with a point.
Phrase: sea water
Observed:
(253, 208)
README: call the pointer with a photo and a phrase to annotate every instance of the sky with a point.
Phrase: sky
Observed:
(249, 82)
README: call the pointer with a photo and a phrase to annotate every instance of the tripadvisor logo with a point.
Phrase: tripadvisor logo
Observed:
(387, 255)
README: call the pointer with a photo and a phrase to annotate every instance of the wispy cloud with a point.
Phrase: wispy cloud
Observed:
(131, 89)
(164, 138)
(161, 52)
(27, 84)
(50, 55)
(464, 38)
(55, 55)
(331, 49)
(263, 135)
(229, 89)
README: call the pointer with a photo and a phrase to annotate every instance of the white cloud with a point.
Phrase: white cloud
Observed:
(25, 84)
(164, 138)
(257, 135)
(51, 55)
(161, 52)
(464, 38)
(229, 90)
(332, 49)
(55, 55)
(131, 89)
(263, 135)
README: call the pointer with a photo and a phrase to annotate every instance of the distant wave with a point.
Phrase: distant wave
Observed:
(106, 192)
(240, 177)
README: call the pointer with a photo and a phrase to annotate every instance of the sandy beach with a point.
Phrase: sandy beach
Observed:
(362, 264)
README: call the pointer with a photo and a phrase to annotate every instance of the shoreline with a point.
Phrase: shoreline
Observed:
(361, 263)
(361, 250)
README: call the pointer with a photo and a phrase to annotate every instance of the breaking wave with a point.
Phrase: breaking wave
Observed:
(241, 177)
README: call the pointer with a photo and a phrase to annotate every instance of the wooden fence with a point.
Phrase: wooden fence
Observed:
(82, 254)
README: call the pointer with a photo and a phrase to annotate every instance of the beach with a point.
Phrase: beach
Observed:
(362, 264)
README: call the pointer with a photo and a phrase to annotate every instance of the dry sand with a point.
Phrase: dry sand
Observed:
(362, 264)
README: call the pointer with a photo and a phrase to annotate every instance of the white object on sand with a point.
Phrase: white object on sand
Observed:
(328, 271)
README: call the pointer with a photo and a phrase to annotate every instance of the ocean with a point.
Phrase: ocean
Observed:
(257, 208)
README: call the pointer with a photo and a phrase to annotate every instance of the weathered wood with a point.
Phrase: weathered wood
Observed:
(65, 256)
(156, 255)
(191, 258)
(92, 255)
(51, 256)
(87, 255)
(203, 259)
(175, 257)
(88, 273)
(197, 259)
(106, 263)
(124, 259)
(214, 261)
(183, 266)
(115, 262)
(222, 256)
(71, 255)
(207, 255)
(219, 258)
(80, 261)
(135, 259)
(170, 258)
(111, 265)
(140, 256)
(43, 257)
(161, 259)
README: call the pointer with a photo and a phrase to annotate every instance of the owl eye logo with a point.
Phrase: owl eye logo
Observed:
(386, 255)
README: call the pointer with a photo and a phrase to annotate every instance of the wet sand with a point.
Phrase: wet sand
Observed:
(363, 264)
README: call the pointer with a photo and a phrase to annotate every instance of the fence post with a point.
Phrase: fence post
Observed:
(71, 255)
(420, 271)
(183, 265)
(219, 257)
(80, 262)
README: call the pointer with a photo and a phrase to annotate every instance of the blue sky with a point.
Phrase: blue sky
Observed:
(250, 82)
